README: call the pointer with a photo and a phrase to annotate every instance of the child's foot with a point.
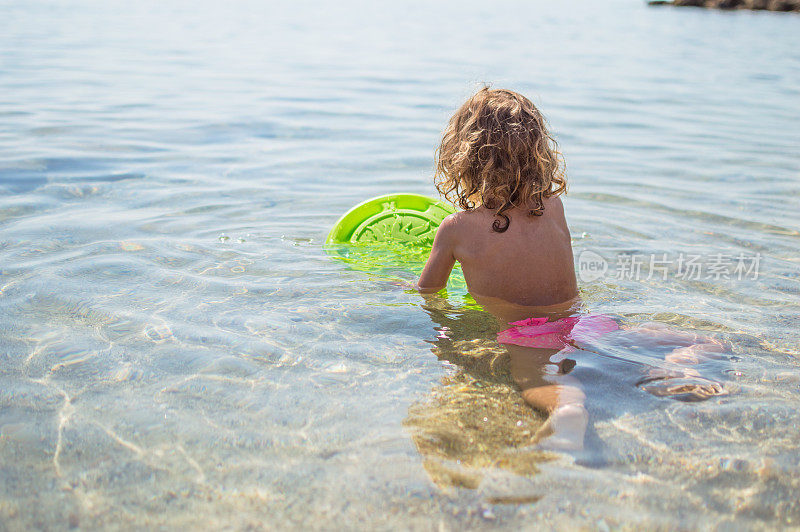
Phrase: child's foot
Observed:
(685, 385)
(564, 430)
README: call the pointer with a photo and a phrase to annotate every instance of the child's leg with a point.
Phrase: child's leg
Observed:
(691, 347)
(543, 383)
(546, 388)
(680, 378)
(665, 335)
(695, 354)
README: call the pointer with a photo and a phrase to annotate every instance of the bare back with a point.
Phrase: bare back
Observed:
(530, 263)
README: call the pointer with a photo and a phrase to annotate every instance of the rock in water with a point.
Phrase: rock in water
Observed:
(727, 4)
(770, 5)
(783, 5)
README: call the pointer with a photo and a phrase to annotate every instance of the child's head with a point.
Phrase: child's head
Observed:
(496, 152)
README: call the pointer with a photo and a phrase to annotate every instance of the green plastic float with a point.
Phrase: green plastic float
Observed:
(390, 237)
(403, 218)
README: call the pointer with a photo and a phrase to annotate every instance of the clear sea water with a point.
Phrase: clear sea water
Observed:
(178, 350)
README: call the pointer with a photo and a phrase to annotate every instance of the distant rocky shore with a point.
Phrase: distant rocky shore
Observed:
(769, 5)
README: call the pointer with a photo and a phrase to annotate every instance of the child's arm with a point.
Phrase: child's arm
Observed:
(441, 260)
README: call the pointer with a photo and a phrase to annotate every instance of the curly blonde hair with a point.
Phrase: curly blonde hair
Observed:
(496, 152)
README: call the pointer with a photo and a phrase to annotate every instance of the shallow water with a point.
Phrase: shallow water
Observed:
(178, 349)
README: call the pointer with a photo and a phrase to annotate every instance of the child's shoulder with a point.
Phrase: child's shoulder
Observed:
(464, 220)
(555, 202)
(457, 228)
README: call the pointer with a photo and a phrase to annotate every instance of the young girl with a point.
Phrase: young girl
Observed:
(498, 162)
